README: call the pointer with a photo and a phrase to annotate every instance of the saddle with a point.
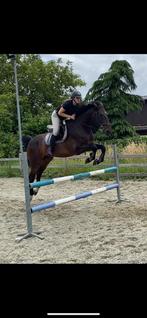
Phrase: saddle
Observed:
(61, 136)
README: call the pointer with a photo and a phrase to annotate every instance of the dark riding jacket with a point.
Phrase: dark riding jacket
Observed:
(71, 109)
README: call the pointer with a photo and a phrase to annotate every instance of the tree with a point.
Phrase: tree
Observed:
(42, 87)
(113, 89)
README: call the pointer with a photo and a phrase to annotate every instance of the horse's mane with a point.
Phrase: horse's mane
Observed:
(85, 108)
(84, 116)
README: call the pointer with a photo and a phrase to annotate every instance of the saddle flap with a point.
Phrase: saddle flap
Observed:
(50, 128)
(62, 135)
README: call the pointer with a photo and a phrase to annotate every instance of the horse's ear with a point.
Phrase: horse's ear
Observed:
(97, 102)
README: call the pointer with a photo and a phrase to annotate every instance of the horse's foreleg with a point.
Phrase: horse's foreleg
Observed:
(85, 148)
(91, 157)
(102, 155)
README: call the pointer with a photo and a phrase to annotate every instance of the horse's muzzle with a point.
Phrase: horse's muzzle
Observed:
(107, 129)
(109, 133)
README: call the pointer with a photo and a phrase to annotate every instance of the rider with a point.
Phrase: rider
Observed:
(68, 110)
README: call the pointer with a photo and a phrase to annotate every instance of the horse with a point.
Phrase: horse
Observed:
(80, 138)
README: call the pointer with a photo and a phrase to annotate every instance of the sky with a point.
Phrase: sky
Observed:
(90, 66)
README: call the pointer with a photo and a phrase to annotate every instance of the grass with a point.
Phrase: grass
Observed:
(9, 169)
(135, 149)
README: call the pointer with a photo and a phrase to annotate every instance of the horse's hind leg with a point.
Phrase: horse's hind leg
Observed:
(40, 171)
(39, 174)
(31, 179)
(32, 176)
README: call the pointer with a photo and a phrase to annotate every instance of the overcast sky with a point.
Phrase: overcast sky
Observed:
(90, 66)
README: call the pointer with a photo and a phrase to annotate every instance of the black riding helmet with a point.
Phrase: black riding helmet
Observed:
(76, 94)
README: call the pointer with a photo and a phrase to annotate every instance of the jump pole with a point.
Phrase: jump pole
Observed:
(52, 204)
(73, 177)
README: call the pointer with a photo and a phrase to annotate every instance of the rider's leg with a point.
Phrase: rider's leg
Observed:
(56, 128)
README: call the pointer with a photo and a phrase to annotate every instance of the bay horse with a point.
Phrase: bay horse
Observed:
(80, 138)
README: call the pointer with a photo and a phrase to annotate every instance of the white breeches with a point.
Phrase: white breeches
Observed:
(56, 123)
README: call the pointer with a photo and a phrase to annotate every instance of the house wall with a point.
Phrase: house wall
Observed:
(139, 119)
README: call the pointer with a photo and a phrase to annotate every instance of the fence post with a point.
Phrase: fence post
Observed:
(65, 163)
(117, 171)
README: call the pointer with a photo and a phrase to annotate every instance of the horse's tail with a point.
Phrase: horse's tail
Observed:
(25, 141)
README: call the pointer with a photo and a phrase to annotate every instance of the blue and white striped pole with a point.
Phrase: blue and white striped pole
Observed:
(72, 177)
(79, 196)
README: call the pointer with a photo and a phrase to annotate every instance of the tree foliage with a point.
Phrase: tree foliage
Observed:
(42, 87)
(114, 89)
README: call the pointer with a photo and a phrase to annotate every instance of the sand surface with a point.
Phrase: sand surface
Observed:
(91, 230)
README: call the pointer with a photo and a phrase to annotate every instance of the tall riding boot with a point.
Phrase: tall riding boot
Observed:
(52, 145)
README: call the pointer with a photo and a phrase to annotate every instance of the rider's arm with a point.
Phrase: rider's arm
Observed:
(62, 113)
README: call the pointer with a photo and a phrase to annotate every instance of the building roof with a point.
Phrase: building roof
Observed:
(144, 97)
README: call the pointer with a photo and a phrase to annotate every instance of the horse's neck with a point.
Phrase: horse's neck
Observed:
(84, 119)
(80, 126)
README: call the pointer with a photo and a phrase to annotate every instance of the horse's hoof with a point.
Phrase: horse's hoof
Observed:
(35, 191)
(96, 162)
(87, 160)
